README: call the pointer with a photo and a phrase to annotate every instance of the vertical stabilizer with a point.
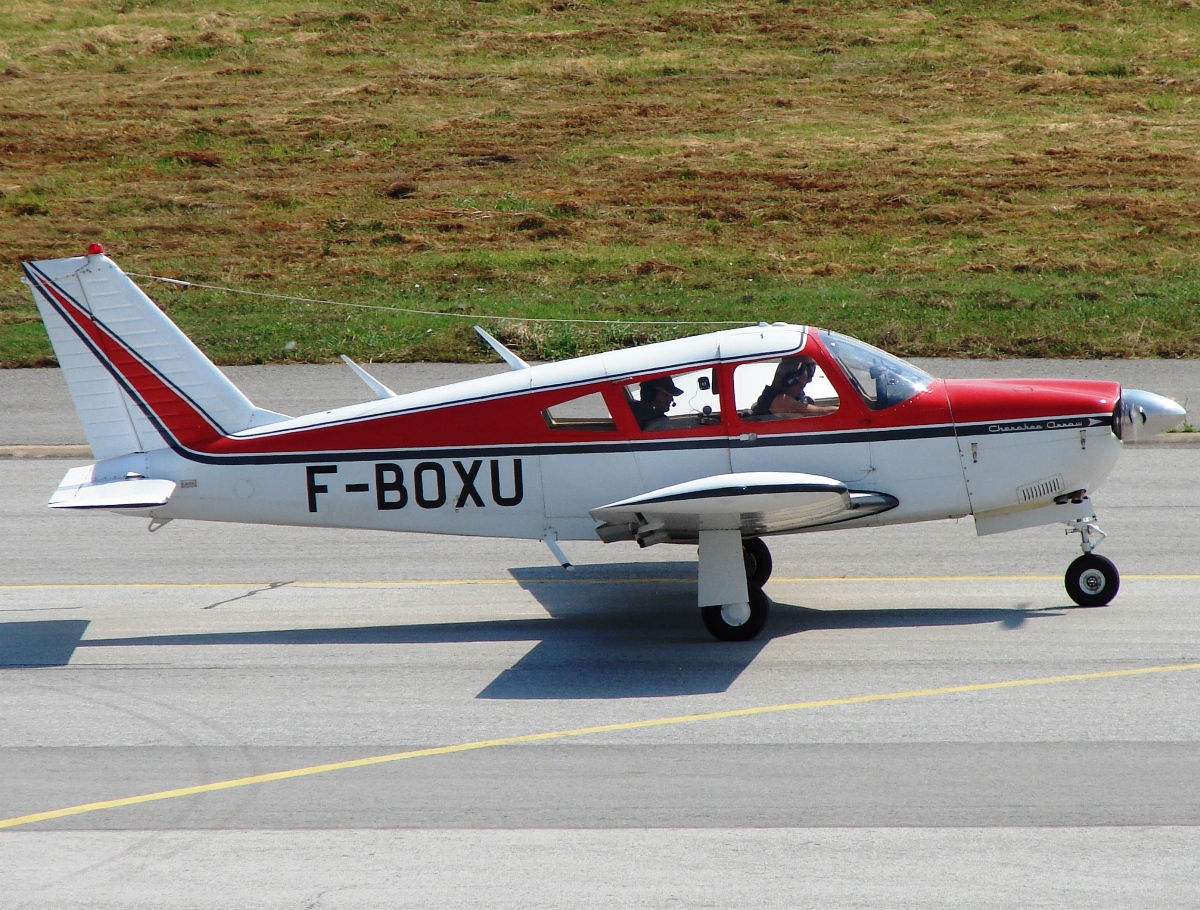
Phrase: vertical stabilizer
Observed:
(138, 383)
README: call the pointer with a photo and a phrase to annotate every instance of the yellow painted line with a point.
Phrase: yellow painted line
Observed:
(450, 582)
(441, 582)
(894, 578)
(92, 586)
(403, 583)
(578, 731)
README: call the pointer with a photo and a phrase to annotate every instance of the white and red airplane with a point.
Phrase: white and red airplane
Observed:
(718, 440)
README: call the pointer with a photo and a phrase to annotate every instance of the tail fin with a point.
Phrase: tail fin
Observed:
(138, 383)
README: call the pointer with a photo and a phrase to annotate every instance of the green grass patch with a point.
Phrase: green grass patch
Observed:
(940, 179)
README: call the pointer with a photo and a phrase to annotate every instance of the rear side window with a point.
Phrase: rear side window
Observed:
(587, 412)
(675, 402)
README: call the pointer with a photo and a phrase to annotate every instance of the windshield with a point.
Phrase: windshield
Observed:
(881, 379)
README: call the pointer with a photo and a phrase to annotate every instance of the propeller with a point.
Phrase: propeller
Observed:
(1141, 414)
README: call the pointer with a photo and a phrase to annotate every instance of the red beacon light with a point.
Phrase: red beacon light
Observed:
(95, 249)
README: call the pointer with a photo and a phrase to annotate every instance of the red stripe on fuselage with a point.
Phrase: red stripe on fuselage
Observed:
(513, 419)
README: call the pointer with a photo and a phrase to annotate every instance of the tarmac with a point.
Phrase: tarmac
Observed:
(240, 716)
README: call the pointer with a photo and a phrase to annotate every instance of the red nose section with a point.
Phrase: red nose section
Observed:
(977, 400)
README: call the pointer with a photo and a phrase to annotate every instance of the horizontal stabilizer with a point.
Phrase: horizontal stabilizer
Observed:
(761, 502)
(78, 492)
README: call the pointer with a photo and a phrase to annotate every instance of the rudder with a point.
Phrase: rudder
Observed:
(137, 381)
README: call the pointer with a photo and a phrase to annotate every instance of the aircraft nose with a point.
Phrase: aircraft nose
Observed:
(1140, 414)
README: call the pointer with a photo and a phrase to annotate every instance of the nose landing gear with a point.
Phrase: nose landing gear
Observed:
(1091, 580)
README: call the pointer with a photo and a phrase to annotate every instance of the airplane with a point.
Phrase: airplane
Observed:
(718, 440)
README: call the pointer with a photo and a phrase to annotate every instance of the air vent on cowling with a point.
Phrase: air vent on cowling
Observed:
(1043, 489)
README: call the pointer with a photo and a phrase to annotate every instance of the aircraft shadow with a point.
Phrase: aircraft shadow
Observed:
(44, 643)
(806, 619)
(614, 631)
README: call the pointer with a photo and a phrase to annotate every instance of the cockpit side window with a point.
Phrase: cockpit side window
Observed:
(881, 379)
(783, 389)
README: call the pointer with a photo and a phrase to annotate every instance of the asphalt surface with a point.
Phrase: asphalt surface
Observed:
(136, 663)
(841, 774)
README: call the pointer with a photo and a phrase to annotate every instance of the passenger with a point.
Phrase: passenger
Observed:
(785, 395)
(657, 396)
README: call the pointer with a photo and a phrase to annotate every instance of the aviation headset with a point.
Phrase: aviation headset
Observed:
(806, 372)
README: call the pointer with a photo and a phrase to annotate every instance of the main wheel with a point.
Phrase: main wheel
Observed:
(1092, 581)
(758, 561)
(734, 622)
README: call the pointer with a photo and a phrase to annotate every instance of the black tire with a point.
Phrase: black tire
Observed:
(1092, 581)
(715, 622)
(758, 561)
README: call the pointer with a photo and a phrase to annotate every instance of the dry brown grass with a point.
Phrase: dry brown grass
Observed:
(561, 155)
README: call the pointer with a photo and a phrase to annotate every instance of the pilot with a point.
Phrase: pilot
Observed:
(785, 395)
(656, 398)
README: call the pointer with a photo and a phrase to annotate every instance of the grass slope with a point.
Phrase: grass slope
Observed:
(940, 178)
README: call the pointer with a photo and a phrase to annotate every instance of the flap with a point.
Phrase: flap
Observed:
(135, 493)
(761, 502)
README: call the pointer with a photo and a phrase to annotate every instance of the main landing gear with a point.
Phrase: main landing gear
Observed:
(1091, 580)
(742, 621)
(758, 561)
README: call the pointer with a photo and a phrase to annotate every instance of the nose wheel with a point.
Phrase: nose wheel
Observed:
(1092, 581)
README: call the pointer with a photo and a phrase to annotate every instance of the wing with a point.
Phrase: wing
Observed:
(762, 502)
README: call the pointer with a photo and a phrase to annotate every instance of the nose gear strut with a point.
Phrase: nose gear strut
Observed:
(1086, 528)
